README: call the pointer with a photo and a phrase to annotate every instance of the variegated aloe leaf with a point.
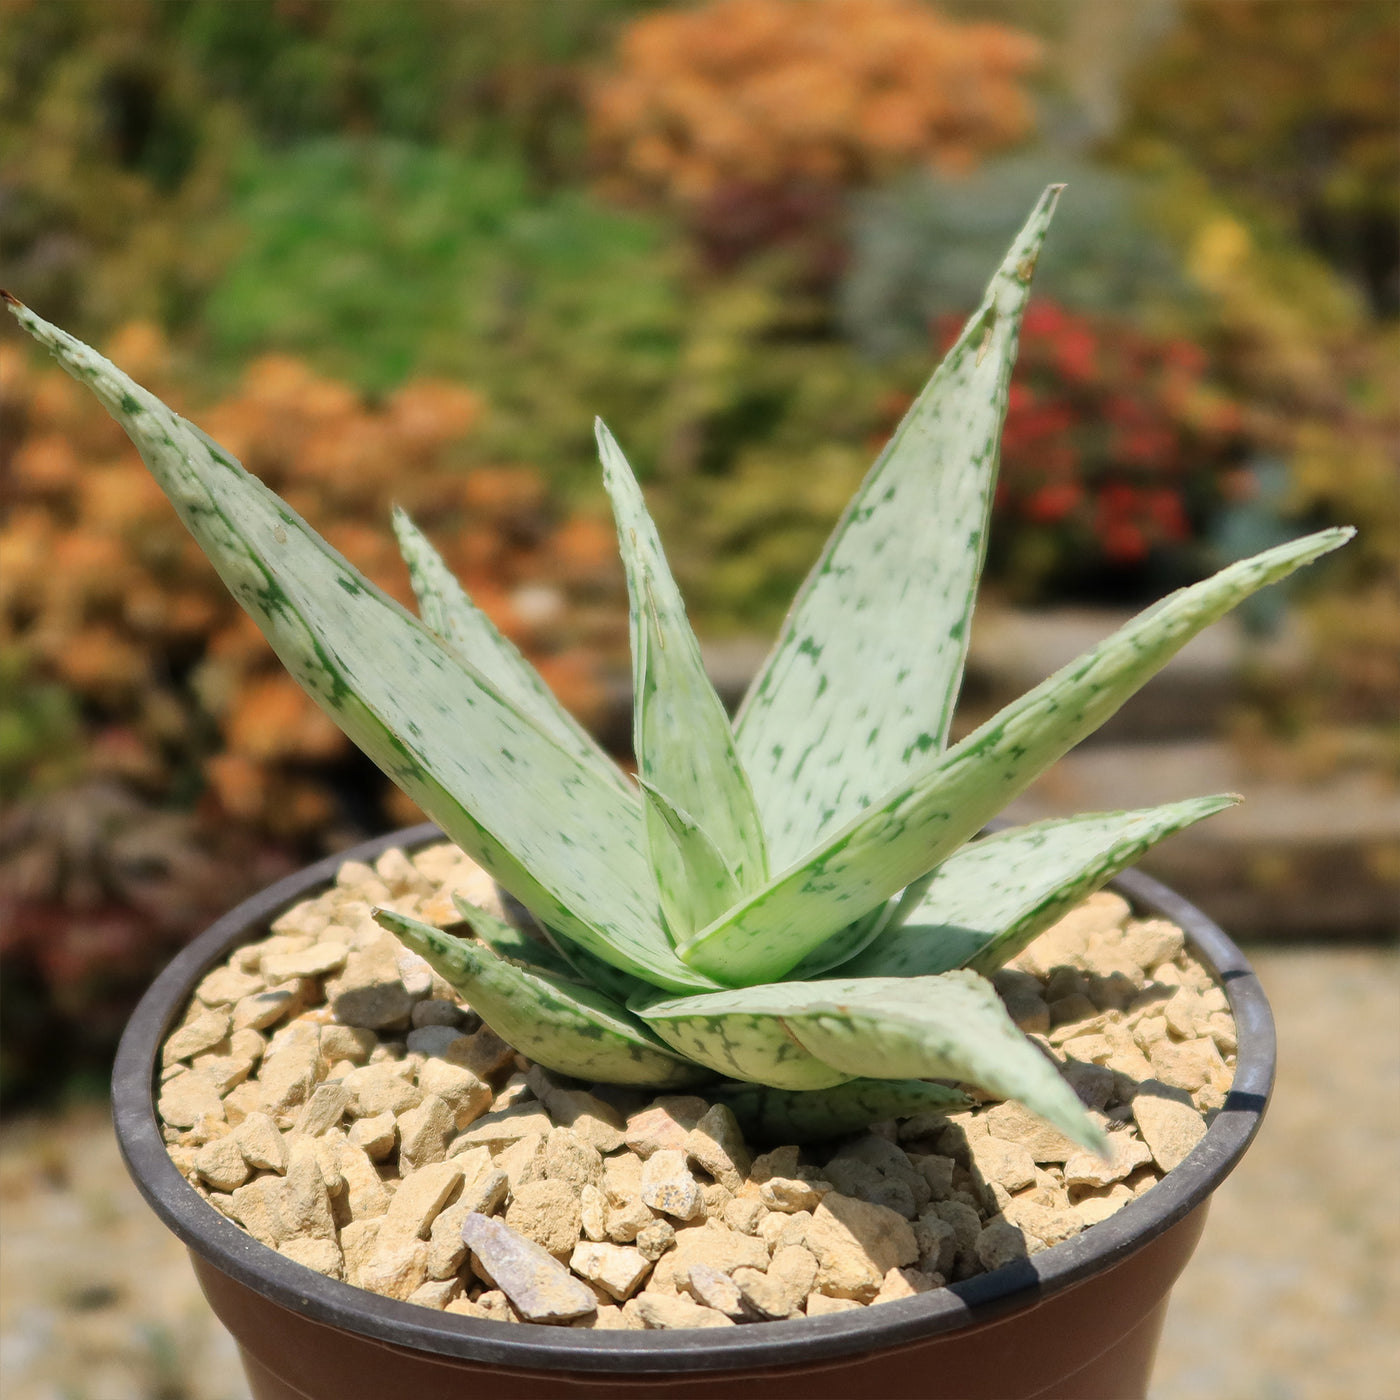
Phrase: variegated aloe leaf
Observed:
(563, 1025)
(565, 840)
(447, 608)
(510, 943)
(987, 901)
(861, 685)
(914, 828)
(681, 735)
(842, 947)
(781, 1115)
(948, 1027)
(693, 880)
(757, 1049)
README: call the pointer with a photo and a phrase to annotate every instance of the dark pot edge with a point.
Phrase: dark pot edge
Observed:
(799, 1342)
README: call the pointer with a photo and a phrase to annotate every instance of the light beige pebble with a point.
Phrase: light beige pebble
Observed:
(447, 1250)
(768, 1299)
(290, 1070)
(548, 1212)
(1151, 942)
(466, 1095)
(224, 1071)
(483, 1052)
(823, 1305)
(539, 1286)
(569, 1159)
(610, 1318)
(366, 1195)
(423, 1134)
(1045, 1223)
(500, 1128)
(904, 1283)
(670, 1311)
(856, 1244)
(778, 1230)
(226, 985)
(1013, 1123)
(655, 1238)
(357, 1241)
(1220, 1026)
(436, 1293)
(375, 1136)
(188, 1097)
(419, 1198)
(795, 1267)
(1169, 1127)
(1008, 1164)
(1002, 1242)
(1088, 1169)
(744, 1213)
(396, 1267)
(523, 1161)
(318, 960)
(669, 1187)
(305, 1201)
(242, 1100)
(788, 1194)
(324, 1109)
(400, 874)
(713, 1288)
(353, 1043)
(614, 1268)
(710, 1244)
(306, 917)
(781, 1161)
(664, 1124)
(622, 1178)
(497, 1307)
(716, 1144)
(625, 1222)
(317, 1253)
(593, 1119)
(593, 1212)
(379, 1087)
(258, 1207)
(1021, 995)
(1093, 1209)
(221, 1163)
(207, 1027)
(513, 1093)
(369, 990)
(328, 1148)
(938, 1243)
(1188, 1064)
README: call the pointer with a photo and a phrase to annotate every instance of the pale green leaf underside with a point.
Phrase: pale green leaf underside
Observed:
(948, 1027)
(694, 881)
(916, 827)
(780, 1116)
(509, 942)
(682, 737)
(755, 1048)
(861, 684)
(987, 901)
(448, 610)
(565, 840)
(564, 1026)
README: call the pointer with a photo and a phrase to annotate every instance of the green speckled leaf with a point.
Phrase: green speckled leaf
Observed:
(681, 734)
(948, 1027)
(916, 827)
(781, 1116)
(507, 941)
(564, 1026)
(986, 902)
(695, 883)
(842, 947)
(860, 687)
(754, 1048)
(448, 610)
(565, 840)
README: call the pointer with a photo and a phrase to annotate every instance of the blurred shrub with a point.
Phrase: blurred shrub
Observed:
(749, 116)
(1291, 108)
(919, 247)
(105, 595)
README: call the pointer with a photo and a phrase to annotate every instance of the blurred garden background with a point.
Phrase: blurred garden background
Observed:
(404, 252)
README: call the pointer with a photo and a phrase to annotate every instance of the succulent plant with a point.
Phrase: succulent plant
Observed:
(793, 908)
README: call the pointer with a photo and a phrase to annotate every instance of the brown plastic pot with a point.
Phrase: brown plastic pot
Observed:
(1079, 1321)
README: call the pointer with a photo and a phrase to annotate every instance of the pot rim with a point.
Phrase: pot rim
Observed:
(800, 1341)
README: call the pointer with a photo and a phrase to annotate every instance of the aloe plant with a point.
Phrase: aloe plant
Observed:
(790, 909)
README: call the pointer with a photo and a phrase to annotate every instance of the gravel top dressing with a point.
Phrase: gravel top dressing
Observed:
(328, 1092)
